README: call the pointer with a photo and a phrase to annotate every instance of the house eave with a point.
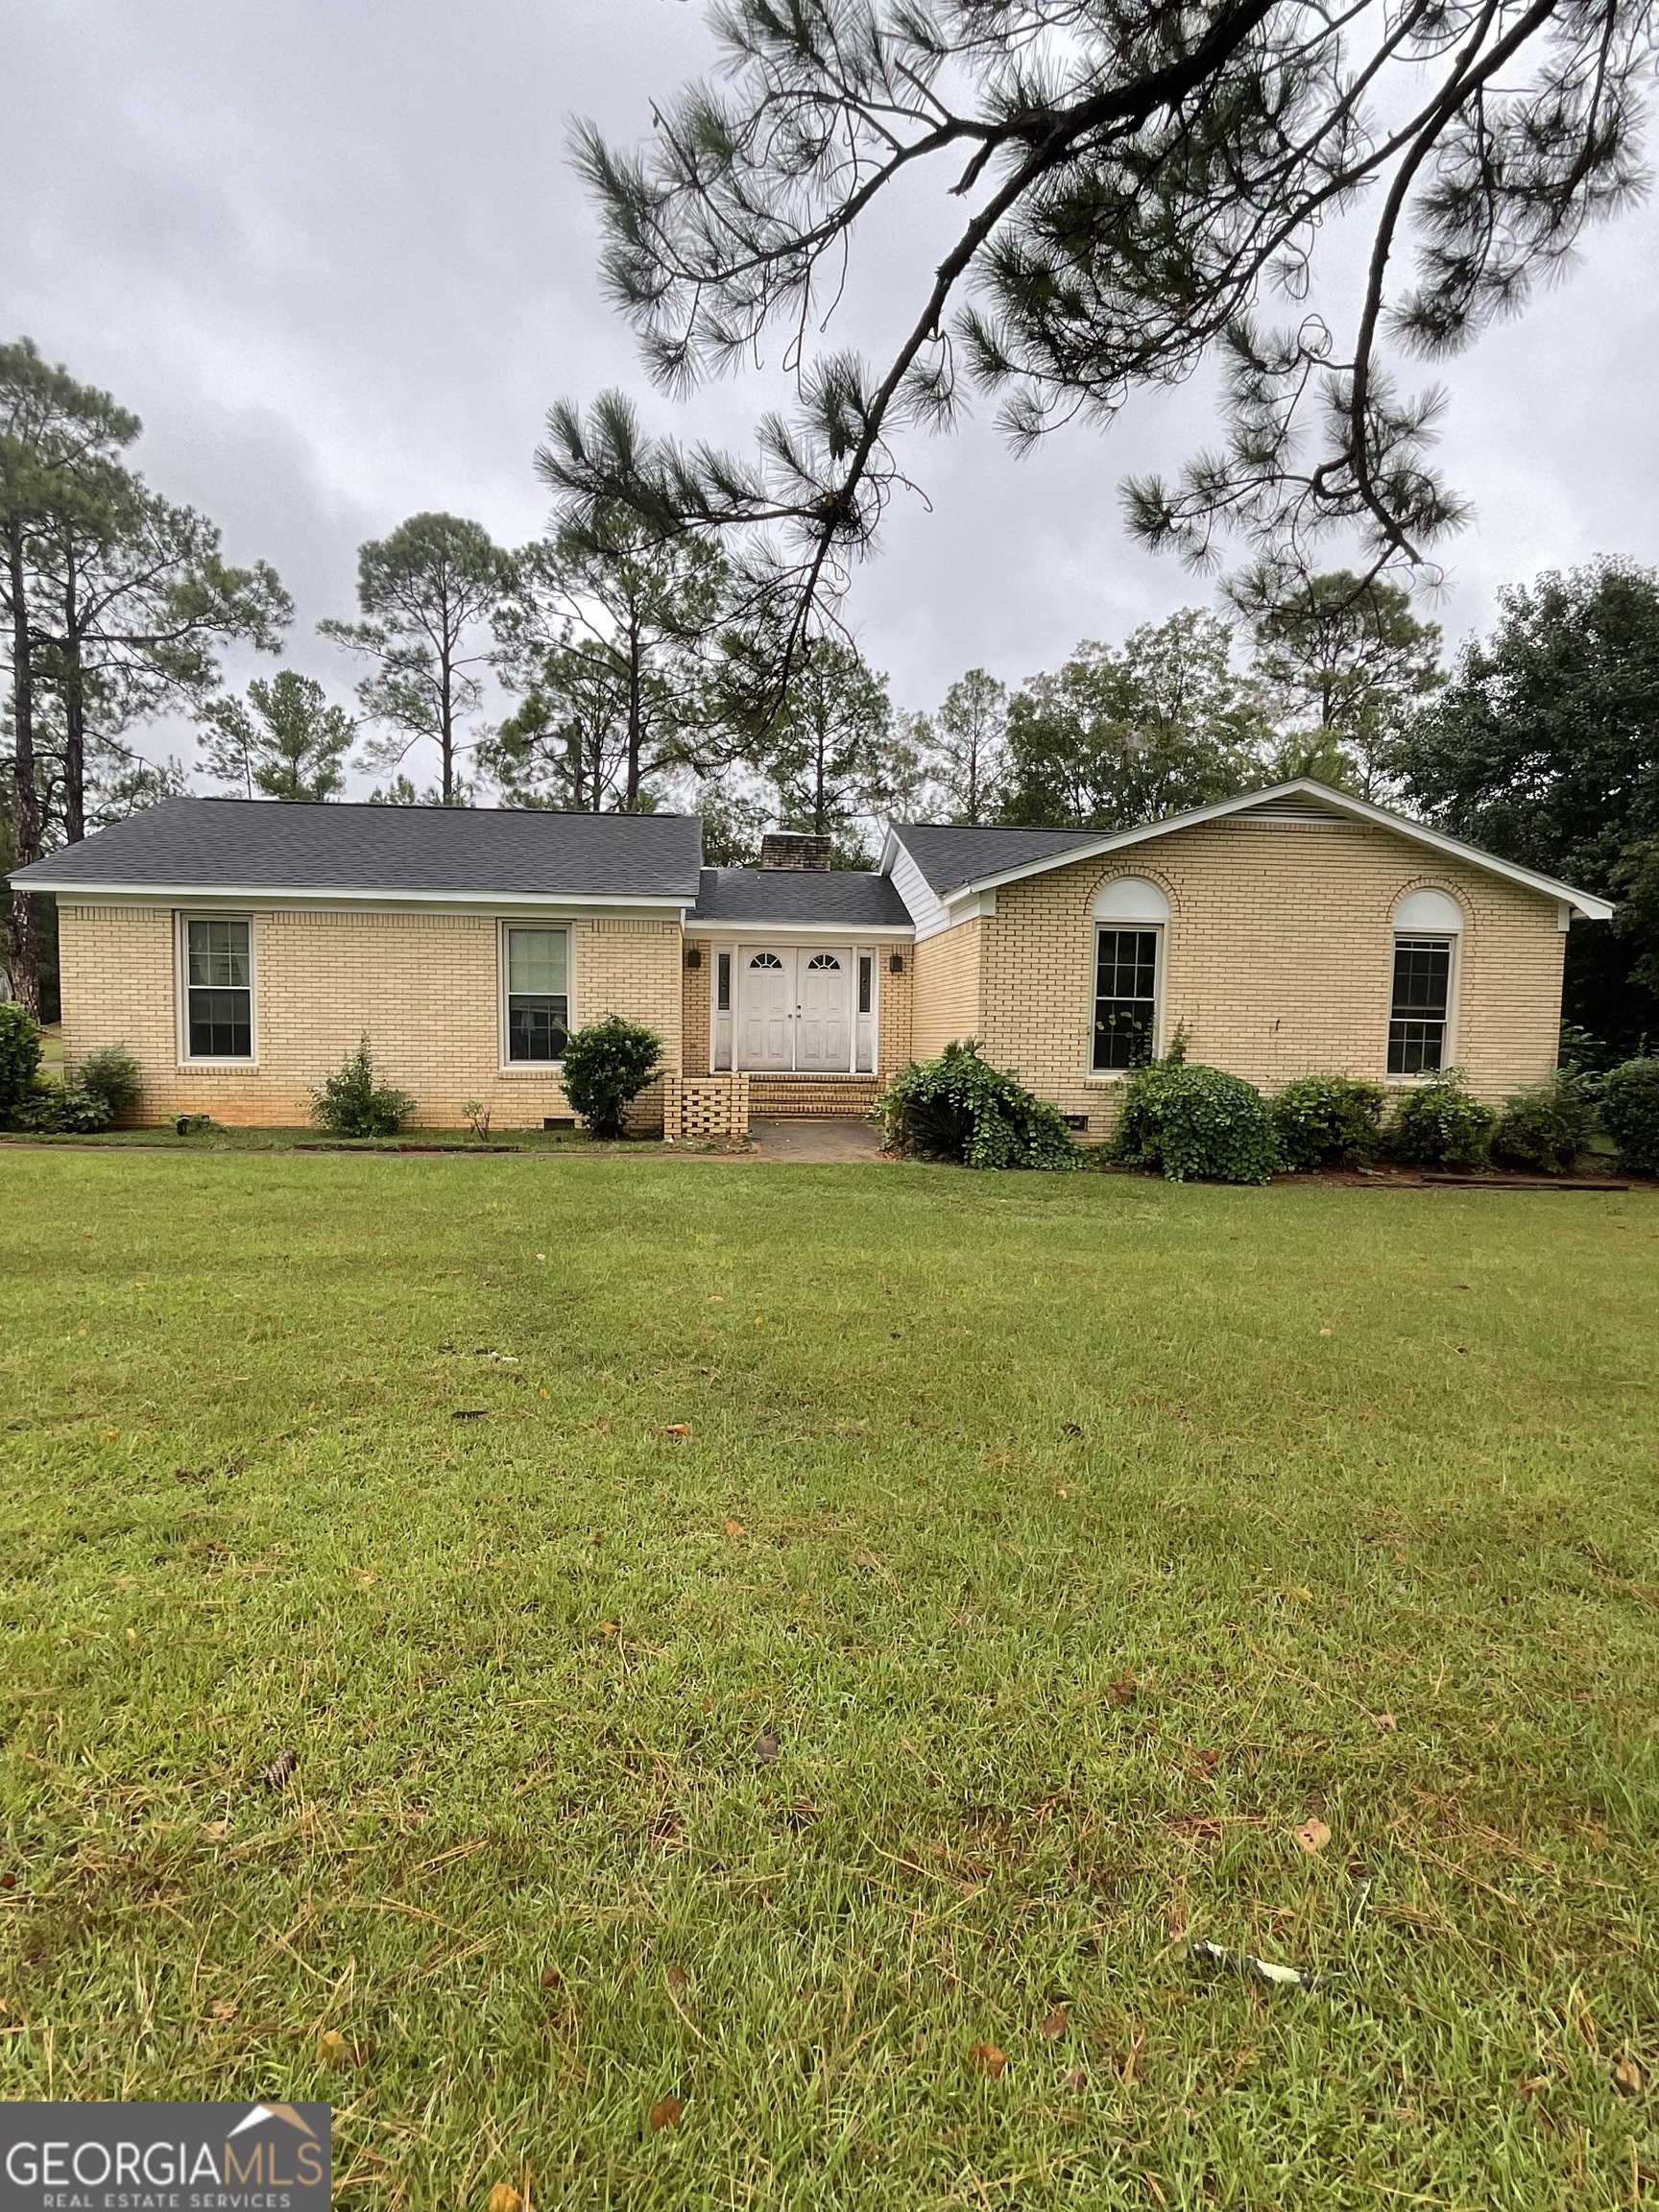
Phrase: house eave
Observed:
(322, 896)
(837, 932)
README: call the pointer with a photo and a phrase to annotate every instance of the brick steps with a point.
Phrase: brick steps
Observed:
(813, 1098)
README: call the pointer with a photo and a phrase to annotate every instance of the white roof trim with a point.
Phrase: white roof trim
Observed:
(330, 895)
(1585, 903)
(764, 932)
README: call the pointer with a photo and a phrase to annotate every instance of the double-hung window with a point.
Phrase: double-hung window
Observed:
(1125, 997)
(218, 960)
(1419, 1007)
(537, 964)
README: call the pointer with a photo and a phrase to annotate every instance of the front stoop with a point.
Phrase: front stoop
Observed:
(813, 1098)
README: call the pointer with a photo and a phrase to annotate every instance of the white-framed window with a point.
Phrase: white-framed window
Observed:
(1130, 917)
(1428, 928)
(215, 955)
(535, 993)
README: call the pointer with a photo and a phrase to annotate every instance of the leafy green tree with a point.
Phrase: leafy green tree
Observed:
(607, 642)
(1545, 747)
(832, 754)
(19, 1059)
(1636, 880)
(612, 640)
(292, 745)
(1120, 736)
(401, 791)
(122, 786)
(1109, 195)
(966, 744)
(563, 745)
(135, 600)
(49, 427)
(1344, 664)
(115, 601)
(427, 596)
(735, 817)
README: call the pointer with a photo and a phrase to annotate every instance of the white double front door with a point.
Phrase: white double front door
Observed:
(794, 1008)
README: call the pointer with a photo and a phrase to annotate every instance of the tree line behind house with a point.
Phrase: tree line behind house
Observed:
(607, 667)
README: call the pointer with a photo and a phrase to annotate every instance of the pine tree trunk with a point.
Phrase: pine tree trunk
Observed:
(446, 729)
(74, 716)
(25, 949)
(634, 733)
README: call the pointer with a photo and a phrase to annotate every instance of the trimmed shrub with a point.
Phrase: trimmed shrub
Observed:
(1546, 1126)
(111, 1074)
(1437, 1124)
(1630, 1115)
(64, 1110)
(352, 1103)
(606, 1065)
(960, 1108)
(19, 1059)
(81, 1113)
(1327, 1122)
(1197, 1123)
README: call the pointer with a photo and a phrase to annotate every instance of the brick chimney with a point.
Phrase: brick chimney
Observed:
(789, 848)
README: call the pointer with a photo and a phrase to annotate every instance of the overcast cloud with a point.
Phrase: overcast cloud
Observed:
(333, 252)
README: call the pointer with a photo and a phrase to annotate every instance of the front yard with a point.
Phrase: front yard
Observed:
(799, 1655)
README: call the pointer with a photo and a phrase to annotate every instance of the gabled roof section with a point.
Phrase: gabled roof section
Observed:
(959, 864)
(950, 858)
(849, 898)
(266, 847)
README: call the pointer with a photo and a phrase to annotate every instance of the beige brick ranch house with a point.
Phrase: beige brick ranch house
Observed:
(239, 948)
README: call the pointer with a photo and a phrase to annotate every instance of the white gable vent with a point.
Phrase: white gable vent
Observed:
(1287, 811)
(1131, 899)
(1429, 914)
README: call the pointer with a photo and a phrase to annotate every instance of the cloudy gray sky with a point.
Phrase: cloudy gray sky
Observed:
(332, 252)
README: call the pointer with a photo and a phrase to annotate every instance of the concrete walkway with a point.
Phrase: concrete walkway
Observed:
(814, 1143)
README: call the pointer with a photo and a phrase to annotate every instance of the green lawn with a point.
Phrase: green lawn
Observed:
(165, 1138)
(1077, 1539)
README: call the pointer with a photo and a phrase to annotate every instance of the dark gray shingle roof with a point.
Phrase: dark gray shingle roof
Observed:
(786, 895)
(260, 844)
(949, 857)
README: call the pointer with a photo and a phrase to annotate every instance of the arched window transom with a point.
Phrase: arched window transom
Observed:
(1131, 899)
(1429, 914)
